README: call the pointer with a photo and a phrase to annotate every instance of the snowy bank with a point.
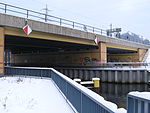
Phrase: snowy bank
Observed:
(31, 95)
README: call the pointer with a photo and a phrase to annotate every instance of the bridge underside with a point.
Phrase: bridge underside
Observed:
(21, 50)
(26, 51)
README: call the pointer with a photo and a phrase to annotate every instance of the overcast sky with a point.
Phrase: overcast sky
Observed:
(130, 15)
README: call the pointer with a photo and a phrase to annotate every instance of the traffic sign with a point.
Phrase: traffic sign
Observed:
(27, 29)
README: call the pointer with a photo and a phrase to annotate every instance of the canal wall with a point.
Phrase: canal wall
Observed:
(112, 75)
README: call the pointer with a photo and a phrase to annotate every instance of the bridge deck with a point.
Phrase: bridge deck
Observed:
(31, 95)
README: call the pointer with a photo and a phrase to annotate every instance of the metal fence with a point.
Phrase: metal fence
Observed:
(78, 98)
(84, 65)
(120, 64)
(138, 105)
(81, 101)
(40, 72)
(30, 14)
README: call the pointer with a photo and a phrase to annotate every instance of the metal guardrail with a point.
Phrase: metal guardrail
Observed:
(30, 14)
(120, 64)
(138, 105)
(81, 101)
(28, 71)
(84, 65)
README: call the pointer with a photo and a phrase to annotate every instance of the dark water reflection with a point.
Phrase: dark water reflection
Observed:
(117, 93)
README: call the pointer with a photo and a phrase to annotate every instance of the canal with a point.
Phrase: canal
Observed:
(117, 93)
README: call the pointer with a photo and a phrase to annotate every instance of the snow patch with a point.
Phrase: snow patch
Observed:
(121, 110)
(31, 95)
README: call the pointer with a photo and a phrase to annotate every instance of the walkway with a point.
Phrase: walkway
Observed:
(31, 95)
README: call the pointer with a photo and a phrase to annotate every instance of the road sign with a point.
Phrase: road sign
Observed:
(27, 29)
(96, 40)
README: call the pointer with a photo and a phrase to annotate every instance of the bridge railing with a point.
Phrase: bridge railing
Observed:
(138, 102)
(30, 14)
(82, 99)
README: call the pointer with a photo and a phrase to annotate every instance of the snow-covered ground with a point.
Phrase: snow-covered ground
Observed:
(31, 95)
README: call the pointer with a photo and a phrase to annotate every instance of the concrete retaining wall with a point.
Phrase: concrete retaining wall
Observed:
(108, 75)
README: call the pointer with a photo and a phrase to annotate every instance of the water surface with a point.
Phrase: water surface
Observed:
(117, 93)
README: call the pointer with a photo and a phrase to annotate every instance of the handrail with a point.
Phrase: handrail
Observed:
(56, 20)
(60, 21)
(89, 64)
(81, 98)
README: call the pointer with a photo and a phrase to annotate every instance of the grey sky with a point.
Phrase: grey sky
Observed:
(130, 15)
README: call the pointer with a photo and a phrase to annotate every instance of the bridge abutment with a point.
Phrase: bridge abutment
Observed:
(1, 50)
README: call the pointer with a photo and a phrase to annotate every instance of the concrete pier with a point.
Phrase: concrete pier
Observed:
(111, 75)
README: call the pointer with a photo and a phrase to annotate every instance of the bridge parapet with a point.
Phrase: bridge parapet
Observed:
(18, 22)
(58, 26)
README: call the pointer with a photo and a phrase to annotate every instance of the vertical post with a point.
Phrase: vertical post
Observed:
(1, 51)
(5, 7)
(45, 17)
(93, 29)
(41, 73)
(73, 24)
(81, 101)
(60, 21)
(27, 13)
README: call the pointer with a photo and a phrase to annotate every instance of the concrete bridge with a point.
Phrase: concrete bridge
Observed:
(50, 44)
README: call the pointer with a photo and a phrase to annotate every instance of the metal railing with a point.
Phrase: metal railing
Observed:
(81, 101)
(137, 104)
(30, 14)
(120, 64)
(84, 65)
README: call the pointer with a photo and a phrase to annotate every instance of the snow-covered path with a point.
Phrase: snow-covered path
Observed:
(31, 95)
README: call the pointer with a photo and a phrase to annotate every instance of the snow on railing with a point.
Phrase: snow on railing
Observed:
(138, 102)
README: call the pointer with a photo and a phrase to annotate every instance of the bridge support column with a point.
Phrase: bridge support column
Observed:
(141, 54)
(1, 51)
(103, 52)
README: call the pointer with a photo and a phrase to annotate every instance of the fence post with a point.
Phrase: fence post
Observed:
(5, 7)
(93, 29)
(45, 17)
(73, 24)
(41, 73)
(81, 102)
(60, 21)
(27, 13)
